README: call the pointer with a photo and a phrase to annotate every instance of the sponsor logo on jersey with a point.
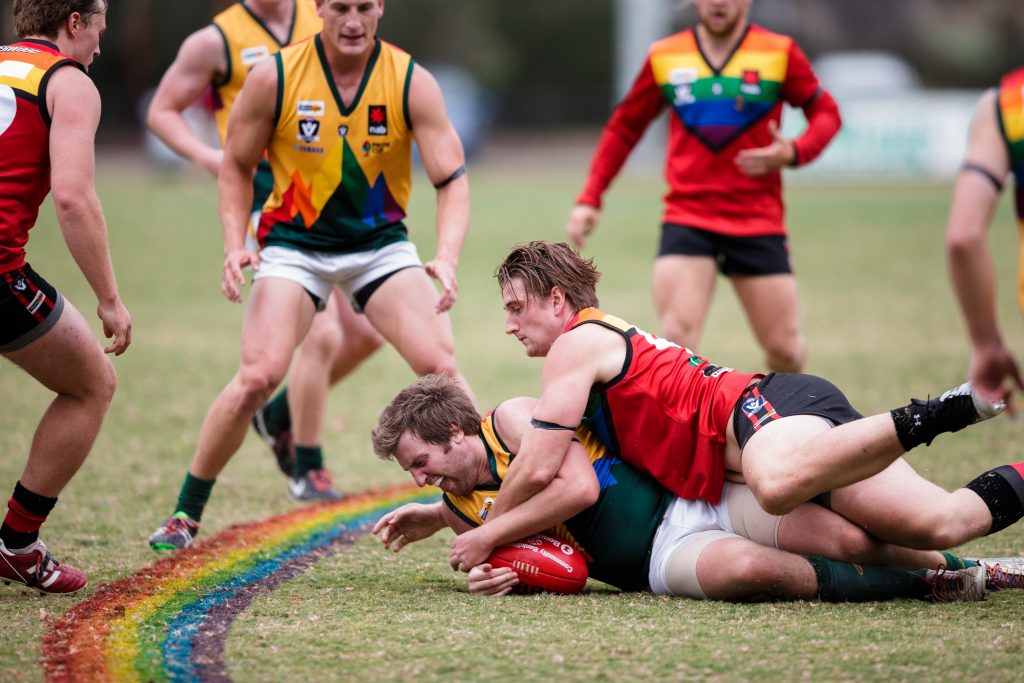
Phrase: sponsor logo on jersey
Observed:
(36, 302)
(378, 119)
(254, 55)
(375, 147)
(20, 284)
(750, 82)
(309, 130)
(310, 108)
(343, 131)
(486, 509)
(685, 74)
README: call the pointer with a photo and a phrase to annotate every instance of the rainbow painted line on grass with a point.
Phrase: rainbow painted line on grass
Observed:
(170, 621)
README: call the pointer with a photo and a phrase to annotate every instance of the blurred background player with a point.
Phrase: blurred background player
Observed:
(337, 116)
(995, 147)
(726, 81)
(48, 122)
(219, 57)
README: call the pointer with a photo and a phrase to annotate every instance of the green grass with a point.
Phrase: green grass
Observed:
(880, 320)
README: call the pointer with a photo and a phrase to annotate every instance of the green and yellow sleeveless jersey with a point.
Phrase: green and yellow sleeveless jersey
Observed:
(248, 41)
(615, 534)
(342, 172)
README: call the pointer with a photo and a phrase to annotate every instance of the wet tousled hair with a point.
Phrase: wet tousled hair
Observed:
(428, 407)
(45, 17)
(543, 266)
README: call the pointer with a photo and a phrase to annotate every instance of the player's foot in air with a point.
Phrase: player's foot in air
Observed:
(313, 485)
(176, 533)
(34, 567)
(280, 442)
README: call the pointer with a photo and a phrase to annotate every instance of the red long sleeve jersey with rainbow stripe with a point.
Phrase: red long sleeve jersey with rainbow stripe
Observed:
(25, 69)
(715, 114)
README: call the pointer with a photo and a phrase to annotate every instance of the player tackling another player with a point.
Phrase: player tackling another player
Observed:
(633, 532)
(49, 110)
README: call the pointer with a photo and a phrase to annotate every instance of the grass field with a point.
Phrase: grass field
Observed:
(881, 323)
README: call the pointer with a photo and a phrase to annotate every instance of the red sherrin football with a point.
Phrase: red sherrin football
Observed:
(544, 565)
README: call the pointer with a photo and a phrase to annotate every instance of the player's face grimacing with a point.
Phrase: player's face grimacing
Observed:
(529, 319)
(350, 25)
(436, 465)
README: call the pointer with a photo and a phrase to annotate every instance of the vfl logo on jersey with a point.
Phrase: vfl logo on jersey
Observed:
(309, 130)
(486, 509)
(378, 120)
(253, 55)
(750, 83)
(310, 108)
(343, 131)
(20, 284)
(753, 404)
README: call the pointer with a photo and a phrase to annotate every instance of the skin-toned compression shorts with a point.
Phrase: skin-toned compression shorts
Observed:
(358, 274)
(29, 307)
(744, 256)
(690, 526)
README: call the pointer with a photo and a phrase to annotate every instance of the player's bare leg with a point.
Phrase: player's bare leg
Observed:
(403, 311)
(68, 361)
(772, 307)
(277, 318)
(309, 380)
(683, 287)
(900, 506)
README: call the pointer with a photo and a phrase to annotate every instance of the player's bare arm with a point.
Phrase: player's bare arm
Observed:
(250, 126)
(74, 105)
(444, 162)
(200, 62)
(975, 198)
(577, 361)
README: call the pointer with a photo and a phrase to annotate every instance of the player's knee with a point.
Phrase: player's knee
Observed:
(680, 330)
(786, 354)
(322, 340)
(777, 495)
(852, 544)
(443, 365)
(935, 529)
(256, 384)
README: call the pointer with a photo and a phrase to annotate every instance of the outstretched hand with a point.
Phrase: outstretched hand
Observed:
(759, 161)
(410, 523)
(995, 375)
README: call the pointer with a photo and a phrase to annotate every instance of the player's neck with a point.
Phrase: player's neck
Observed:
(718, 46)
(346, 67)
(276, 14)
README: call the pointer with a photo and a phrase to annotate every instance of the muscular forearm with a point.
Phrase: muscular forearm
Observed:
(973, 279)
(235, 193)
(452, 219)
(85, 232)
(175, 132)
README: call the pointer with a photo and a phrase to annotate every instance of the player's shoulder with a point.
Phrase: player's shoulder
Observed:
(682, 40)
(763, 38)
(71, 81)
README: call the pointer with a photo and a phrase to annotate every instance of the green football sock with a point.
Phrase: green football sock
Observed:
(844, 582)
(307, 459)
(193, 496)
(954, 562)
(276, 413)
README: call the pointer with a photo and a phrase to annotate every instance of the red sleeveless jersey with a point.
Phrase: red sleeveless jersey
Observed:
(25, 69)
(667, 411)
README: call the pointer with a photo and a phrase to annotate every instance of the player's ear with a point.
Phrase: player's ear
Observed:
(457, 435)
(558, 300)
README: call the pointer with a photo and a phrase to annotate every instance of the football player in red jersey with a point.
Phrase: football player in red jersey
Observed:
(725, 81)
(633, 533)
(687, 422)
(49, 116)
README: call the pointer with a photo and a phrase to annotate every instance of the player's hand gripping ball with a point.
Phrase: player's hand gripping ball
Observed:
(544, 564)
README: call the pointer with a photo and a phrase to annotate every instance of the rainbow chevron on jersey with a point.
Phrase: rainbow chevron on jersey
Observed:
(342, 172)
(170, 621)
(1011, 121)
(718, 105)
